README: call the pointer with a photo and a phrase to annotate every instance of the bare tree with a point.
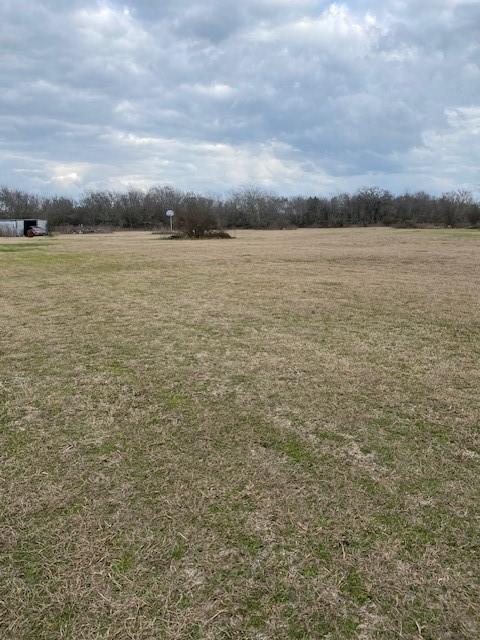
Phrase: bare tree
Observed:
(196, 216)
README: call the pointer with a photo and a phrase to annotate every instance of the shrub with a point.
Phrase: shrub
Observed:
(196, 216)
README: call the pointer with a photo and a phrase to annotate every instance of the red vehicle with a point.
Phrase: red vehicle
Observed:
(31, 232)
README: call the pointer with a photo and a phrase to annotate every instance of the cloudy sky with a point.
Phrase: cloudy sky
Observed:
(292, 95)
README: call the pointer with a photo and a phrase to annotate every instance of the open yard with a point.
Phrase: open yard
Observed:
(269, 437)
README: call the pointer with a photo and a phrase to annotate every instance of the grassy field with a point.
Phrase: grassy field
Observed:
(264, 438)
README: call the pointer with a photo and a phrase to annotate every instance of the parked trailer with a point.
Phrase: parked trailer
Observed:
(18, 228)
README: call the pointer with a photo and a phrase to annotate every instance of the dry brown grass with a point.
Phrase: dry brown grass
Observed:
(270, 437)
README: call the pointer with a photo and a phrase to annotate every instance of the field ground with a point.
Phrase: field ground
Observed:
(264, 438)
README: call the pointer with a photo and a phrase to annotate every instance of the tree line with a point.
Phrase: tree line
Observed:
(250, 208)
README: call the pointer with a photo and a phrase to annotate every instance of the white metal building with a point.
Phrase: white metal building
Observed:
(20, 227)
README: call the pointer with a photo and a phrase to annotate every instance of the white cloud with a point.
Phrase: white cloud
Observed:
(298, 95)
(336, 31)
(452, 155)
(217, 90)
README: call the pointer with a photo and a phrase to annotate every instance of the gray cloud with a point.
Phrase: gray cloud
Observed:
(295, 96)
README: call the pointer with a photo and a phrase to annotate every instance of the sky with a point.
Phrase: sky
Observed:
(293, 96)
